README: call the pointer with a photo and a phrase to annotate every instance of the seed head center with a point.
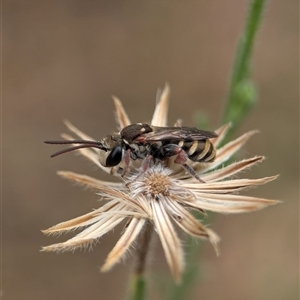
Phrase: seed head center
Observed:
(158, 184)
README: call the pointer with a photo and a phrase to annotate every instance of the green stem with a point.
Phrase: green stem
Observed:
(242, 93)
(138, 283)
(138, 288)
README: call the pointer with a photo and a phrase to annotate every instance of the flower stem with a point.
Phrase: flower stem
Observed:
(138, 288)
(242, 92)
(138, 284)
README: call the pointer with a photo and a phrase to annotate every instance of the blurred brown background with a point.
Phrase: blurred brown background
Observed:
(64, 60)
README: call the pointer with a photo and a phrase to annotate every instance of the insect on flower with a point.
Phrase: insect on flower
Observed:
(150, 143)
(161, 195)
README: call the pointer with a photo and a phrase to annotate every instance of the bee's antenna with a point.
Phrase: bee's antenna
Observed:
(84, 144)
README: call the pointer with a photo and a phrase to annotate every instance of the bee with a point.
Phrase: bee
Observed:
(148, 143)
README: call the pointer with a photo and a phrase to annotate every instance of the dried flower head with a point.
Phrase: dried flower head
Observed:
(164, 196)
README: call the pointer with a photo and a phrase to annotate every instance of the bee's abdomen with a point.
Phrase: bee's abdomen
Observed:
(199, 151)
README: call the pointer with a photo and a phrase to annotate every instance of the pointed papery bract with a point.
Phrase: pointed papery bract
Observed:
(229, 186)
(221, 132)
(88, 236)
(232, 169)
(186, 221)
(161, 110)
(90, 181)
(106, 190)
(81, 221)
(78, 132)
(169, 239)
(131, 232)
(121, 115)
(229, 204)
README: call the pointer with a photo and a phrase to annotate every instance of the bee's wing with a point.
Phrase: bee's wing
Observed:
(178, 133)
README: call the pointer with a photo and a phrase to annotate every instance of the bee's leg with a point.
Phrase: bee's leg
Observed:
(192, 172)
(144, 167)
(146, 164)
(182, 157)
(126, 161)
(171, 150)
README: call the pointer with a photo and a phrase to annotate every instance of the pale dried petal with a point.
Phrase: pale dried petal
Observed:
(228, 186)
(221, 132)
(69, 246)
(121, 115)
(142, 201)
(186, 221)
(169, 239)
(78, 132)
(214, 240)
(79, 243)
(131, 232)
(229, 204)
(90, 181)
(128, 213)
(161, 110)
(104, 224)
(232, 169)
(105, 190)
(81, 221)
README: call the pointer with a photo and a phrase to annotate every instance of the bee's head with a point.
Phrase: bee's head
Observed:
(111, 145)
(113, 154)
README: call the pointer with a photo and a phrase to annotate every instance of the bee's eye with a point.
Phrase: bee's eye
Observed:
(115, 157)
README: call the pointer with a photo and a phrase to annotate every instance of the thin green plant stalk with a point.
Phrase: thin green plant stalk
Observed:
(138, 283)
(242, 93)
(138, 287)
(241, 98)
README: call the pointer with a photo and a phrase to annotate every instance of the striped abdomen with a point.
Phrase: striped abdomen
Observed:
(199, 151)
